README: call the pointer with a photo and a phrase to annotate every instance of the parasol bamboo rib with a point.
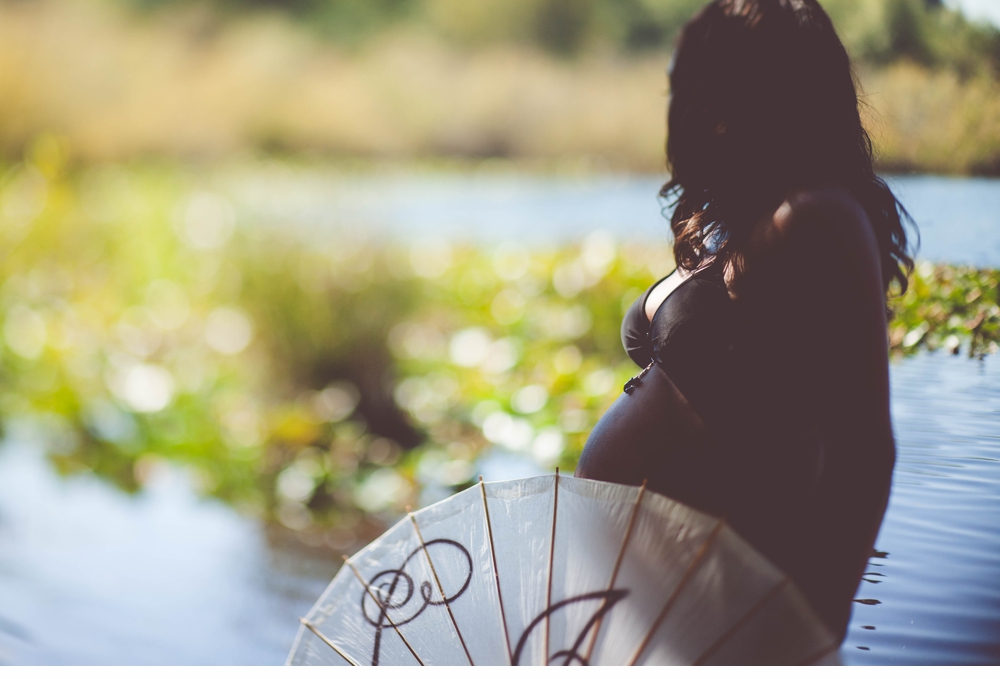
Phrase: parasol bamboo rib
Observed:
(552, 554)
(618, 563)
(680, 625)
(702, 551)
(496, 573)
(309, 626)
(437, 580)
(368, 588)
(742, 621)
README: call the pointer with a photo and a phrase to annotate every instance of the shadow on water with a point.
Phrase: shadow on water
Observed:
(91, 575)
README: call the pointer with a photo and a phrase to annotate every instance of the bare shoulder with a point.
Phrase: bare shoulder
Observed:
(823, 213)
(822, 237)
(830, 219)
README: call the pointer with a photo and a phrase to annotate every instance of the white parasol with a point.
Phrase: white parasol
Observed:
(559, 570)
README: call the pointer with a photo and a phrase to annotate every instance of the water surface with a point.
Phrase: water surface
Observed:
(937, 587)
(89, 575)
(959, 218)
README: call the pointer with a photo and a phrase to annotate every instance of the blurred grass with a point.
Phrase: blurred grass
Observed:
(185, 86)
(542, 80)
(147, 319)
(936, 121)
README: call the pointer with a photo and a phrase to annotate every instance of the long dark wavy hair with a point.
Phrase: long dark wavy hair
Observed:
(763, 102)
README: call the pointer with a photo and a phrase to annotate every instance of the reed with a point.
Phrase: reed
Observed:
(193, 84)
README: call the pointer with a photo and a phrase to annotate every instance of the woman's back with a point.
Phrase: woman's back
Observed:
(769, 403)
(752, 388)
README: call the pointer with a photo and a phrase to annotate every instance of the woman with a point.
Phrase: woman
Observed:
(765, 394)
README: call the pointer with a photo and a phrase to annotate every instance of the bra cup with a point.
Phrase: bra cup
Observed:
(701, 295)
(635, 332)
(691, 340)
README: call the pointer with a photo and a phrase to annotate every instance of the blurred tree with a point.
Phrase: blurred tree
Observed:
(906, 24)
(877, 31)
(561, 25)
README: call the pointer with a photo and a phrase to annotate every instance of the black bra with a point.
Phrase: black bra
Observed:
(690, 337)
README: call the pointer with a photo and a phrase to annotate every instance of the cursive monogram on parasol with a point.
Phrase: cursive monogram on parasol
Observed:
(394, 598)
(607, 599)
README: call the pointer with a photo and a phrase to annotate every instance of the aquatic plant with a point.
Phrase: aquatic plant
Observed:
(148, 319)
(948, 307)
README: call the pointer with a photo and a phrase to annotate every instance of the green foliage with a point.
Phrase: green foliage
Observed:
(948, 307)
(883, 32)
(146, 321)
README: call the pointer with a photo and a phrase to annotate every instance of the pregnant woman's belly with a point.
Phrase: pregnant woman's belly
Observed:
(760, 481)
(666, 430)
(654, 434)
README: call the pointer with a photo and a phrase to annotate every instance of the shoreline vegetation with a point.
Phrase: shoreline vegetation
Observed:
(544, 82)
(146, 320)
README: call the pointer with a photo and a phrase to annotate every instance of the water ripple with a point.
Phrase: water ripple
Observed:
(939, 601)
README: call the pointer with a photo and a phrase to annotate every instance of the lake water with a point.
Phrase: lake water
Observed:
(959, 218)
(934, 596)
(90, 575)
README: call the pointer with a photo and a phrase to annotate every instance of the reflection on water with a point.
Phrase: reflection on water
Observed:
(90, 575)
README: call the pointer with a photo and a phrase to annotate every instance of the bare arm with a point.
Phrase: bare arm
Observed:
(827, 241)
